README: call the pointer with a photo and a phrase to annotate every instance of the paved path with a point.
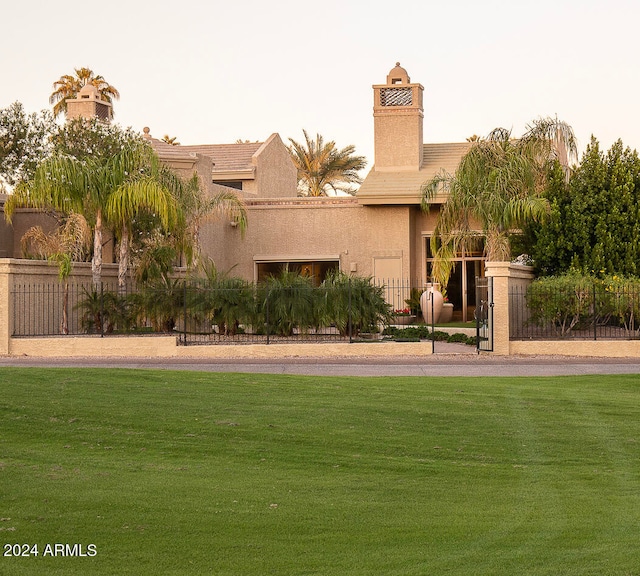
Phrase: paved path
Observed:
(454, 363)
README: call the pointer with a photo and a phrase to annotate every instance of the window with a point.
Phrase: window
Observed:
(317, 270)
(237, 184)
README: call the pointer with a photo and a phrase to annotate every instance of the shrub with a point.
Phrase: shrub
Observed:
(561, 301)
(224, 302)
(353, 304)
(621, 299)
(105, 311)
(163, 302)
(287, 302)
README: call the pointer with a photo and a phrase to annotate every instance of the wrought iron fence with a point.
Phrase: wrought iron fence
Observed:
(592, 311)
(235, 312)
(53, 308)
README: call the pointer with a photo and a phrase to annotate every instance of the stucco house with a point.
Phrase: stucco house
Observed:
(382, 232)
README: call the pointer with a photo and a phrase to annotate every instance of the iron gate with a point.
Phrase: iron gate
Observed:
(484, 314)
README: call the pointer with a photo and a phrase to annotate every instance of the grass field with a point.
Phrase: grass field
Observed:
(162, 473)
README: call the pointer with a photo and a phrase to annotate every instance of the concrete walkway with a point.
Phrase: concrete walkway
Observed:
(449, 360)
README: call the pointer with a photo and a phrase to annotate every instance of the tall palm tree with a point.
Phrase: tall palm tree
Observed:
(142, 188)
(323, 169)
(496, 188)
(68, 86)
(66, 184)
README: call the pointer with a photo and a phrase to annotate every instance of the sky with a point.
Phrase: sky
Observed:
(213, 72)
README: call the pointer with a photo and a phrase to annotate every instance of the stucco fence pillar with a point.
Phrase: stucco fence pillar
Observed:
(505, 277)
(6, 313)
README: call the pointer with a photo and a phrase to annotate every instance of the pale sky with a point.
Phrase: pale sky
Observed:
(212, 72)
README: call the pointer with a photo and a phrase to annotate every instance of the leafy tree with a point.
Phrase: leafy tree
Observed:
(68, 86)
(84, 139)
(25, 140)
(93, 162)
(594, 225)
(323, 169)
(497, 187)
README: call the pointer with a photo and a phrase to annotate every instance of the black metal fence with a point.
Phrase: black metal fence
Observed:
(48, 309)
(587, 311)
(199, 313)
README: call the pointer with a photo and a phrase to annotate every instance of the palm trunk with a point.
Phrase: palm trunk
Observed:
(96, 261)
(195, 261)
(123, 261)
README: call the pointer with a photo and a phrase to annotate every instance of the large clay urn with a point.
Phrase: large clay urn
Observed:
(431, 300)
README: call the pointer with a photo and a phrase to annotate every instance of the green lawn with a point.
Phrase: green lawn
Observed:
(228, 474)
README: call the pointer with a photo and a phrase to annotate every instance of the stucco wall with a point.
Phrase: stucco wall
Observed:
(23, 219)
(165, 347)
(311, 228)
(582, 348)
(276, 176)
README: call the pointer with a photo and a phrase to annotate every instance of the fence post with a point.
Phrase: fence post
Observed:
(184, 306)
(505, 275)
(6, 307)
(595, 313)
(266, 316)
(350, 315)
(101, 310)
(433, 322)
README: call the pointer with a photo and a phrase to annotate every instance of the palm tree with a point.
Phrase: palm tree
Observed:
(68, 87)
(67, 244)
(143, 187)
(496, 188)
(322, 168)
(158, 249)
(66, 184)
(197, 207)
(172, 140)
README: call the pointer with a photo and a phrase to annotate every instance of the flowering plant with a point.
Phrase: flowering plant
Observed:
(402, 312)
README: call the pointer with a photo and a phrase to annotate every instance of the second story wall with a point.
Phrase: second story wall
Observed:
(276, 175)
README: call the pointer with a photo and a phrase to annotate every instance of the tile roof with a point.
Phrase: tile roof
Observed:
(228, 157)
(168, 151)
(403, 186)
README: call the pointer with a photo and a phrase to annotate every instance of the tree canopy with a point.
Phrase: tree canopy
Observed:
(323, 169)
(92, 162)
(25, 140)
(496, 189)
(594, 222)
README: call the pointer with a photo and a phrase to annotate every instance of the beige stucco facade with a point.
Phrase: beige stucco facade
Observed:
(379, 233)
(382, 233)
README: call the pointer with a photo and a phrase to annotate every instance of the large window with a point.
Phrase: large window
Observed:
(314, 269)
(461, 290)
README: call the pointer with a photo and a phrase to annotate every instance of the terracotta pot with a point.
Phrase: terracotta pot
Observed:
(431, 299)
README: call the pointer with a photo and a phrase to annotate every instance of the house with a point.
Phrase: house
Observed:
(381, 233)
